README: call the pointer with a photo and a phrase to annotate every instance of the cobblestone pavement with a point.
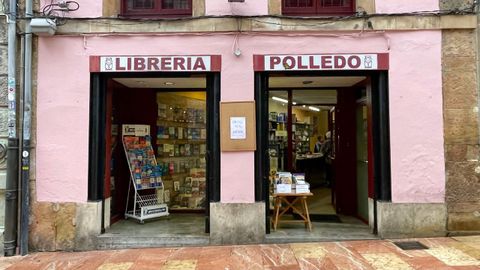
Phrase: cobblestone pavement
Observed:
(442, 253)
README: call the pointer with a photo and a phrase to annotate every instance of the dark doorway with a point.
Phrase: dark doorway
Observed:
(192, 133)
(351, 109)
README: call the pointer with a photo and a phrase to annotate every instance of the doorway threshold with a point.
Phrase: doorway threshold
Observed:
(321, 232)
(176, 230)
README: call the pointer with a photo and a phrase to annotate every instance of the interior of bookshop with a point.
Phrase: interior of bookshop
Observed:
(158, 143)
(317, 147)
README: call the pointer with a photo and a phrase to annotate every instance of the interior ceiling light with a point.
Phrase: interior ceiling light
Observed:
(314, 108)
(307, 82)
(283, 100)
(169, 83)
(304, 106)
(280, 99)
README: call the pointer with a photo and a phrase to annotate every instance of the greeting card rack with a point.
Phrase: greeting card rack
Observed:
(145, 174)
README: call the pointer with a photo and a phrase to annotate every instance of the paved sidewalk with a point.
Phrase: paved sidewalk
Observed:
(443, 253)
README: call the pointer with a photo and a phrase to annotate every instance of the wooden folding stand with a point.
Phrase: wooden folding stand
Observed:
(290, 199)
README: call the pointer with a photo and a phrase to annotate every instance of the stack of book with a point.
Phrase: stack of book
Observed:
(283, 182)
(299, 183)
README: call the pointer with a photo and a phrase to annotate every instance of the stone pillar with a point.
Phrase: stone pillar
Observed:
(237, 223)
(461, 116)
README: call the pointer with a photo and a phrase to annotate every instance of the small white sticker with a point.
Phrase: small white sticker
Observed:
(25, 154)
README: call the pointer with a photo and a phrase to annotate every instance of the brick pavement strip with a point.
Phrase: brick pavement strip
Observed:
(443, 253)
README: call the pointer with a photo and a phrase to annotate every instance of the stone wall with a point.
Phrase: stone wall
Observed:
(455, 4)
(64, 226)
(461, 116)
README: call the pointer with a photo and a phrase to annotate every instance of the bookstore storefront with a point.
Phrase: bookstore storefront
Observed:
(316, 117)
(138, 134)
(158, 114)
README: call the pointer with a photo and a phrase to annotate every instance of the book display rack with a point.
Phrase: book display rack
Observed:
(146, 175)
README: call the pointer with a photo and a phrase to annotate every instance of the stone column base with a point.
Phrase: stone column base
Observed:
(407, 220)
(237, 223)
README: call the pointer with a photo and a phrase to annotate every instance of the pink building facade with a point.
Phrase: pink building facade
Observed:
(415, 172)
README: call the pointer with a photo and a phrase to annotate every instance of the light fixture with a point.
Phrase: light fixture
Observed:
(283, 100)
(280, 99)
(304, 106)
(237, 52)
(169, 83)
(314, 108)
(43, 26)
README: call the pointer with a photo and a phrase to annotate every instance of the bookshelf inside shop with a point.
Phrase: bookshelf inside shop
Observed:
(301, 137)
(181, 148)
(278, 139)
(278, 152)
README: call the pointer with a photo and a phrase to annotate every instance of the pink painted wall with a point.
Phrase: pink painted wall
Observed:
(416, 119)
(62, 123)
(399, 6)
(418, 173)
(249, 7)
(88, 8)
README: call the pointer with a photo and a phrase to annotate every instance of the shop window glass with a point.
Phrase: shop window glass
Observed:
(318, 7)
(141, 4)
(299, 3)
(159, 8)
(175, 4)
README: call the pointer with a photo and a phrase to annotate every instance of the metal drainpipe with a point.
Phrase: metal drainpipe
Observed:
(27, 115)
(11, 193)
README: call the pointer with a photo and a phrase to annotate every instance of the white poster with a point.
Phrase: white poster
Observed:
(238, 128)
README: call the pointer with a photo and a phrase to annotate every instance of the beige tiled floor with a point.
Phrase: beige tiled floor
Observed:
(443, 253)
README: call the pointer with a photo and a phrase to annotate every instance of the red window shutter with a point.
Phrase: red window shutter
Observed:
(299, 7)
(333, 7)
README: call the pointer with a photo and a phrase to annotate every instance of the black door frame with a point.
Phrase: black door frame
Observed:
(380, 127)
(97, 139)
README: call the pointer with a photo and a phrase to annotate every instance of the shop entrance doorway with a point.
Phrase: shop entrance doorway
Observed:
(173, 166)
(323, 128)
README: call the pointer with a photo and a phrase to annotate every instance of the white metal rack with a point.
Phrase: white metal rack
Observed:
(145, 174)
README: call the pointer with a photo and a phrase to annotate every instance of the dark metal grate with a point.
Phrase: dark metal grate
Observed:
(410, 245)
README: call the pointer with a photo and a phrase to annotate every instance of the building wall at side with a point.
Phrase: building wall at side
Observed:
(3, 117)
(63, 113)
(460, 62)
(432, 174)
(461, 116)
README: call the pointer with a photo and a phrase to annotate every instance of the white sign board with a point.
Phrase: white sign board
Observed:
(157, 63)
(321, 62)
(283, 188)
(238, 128)
(135, 130)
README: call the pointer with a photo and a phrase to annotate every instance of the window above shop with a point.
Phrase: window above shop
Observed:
(157, 8)
(318, 7)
